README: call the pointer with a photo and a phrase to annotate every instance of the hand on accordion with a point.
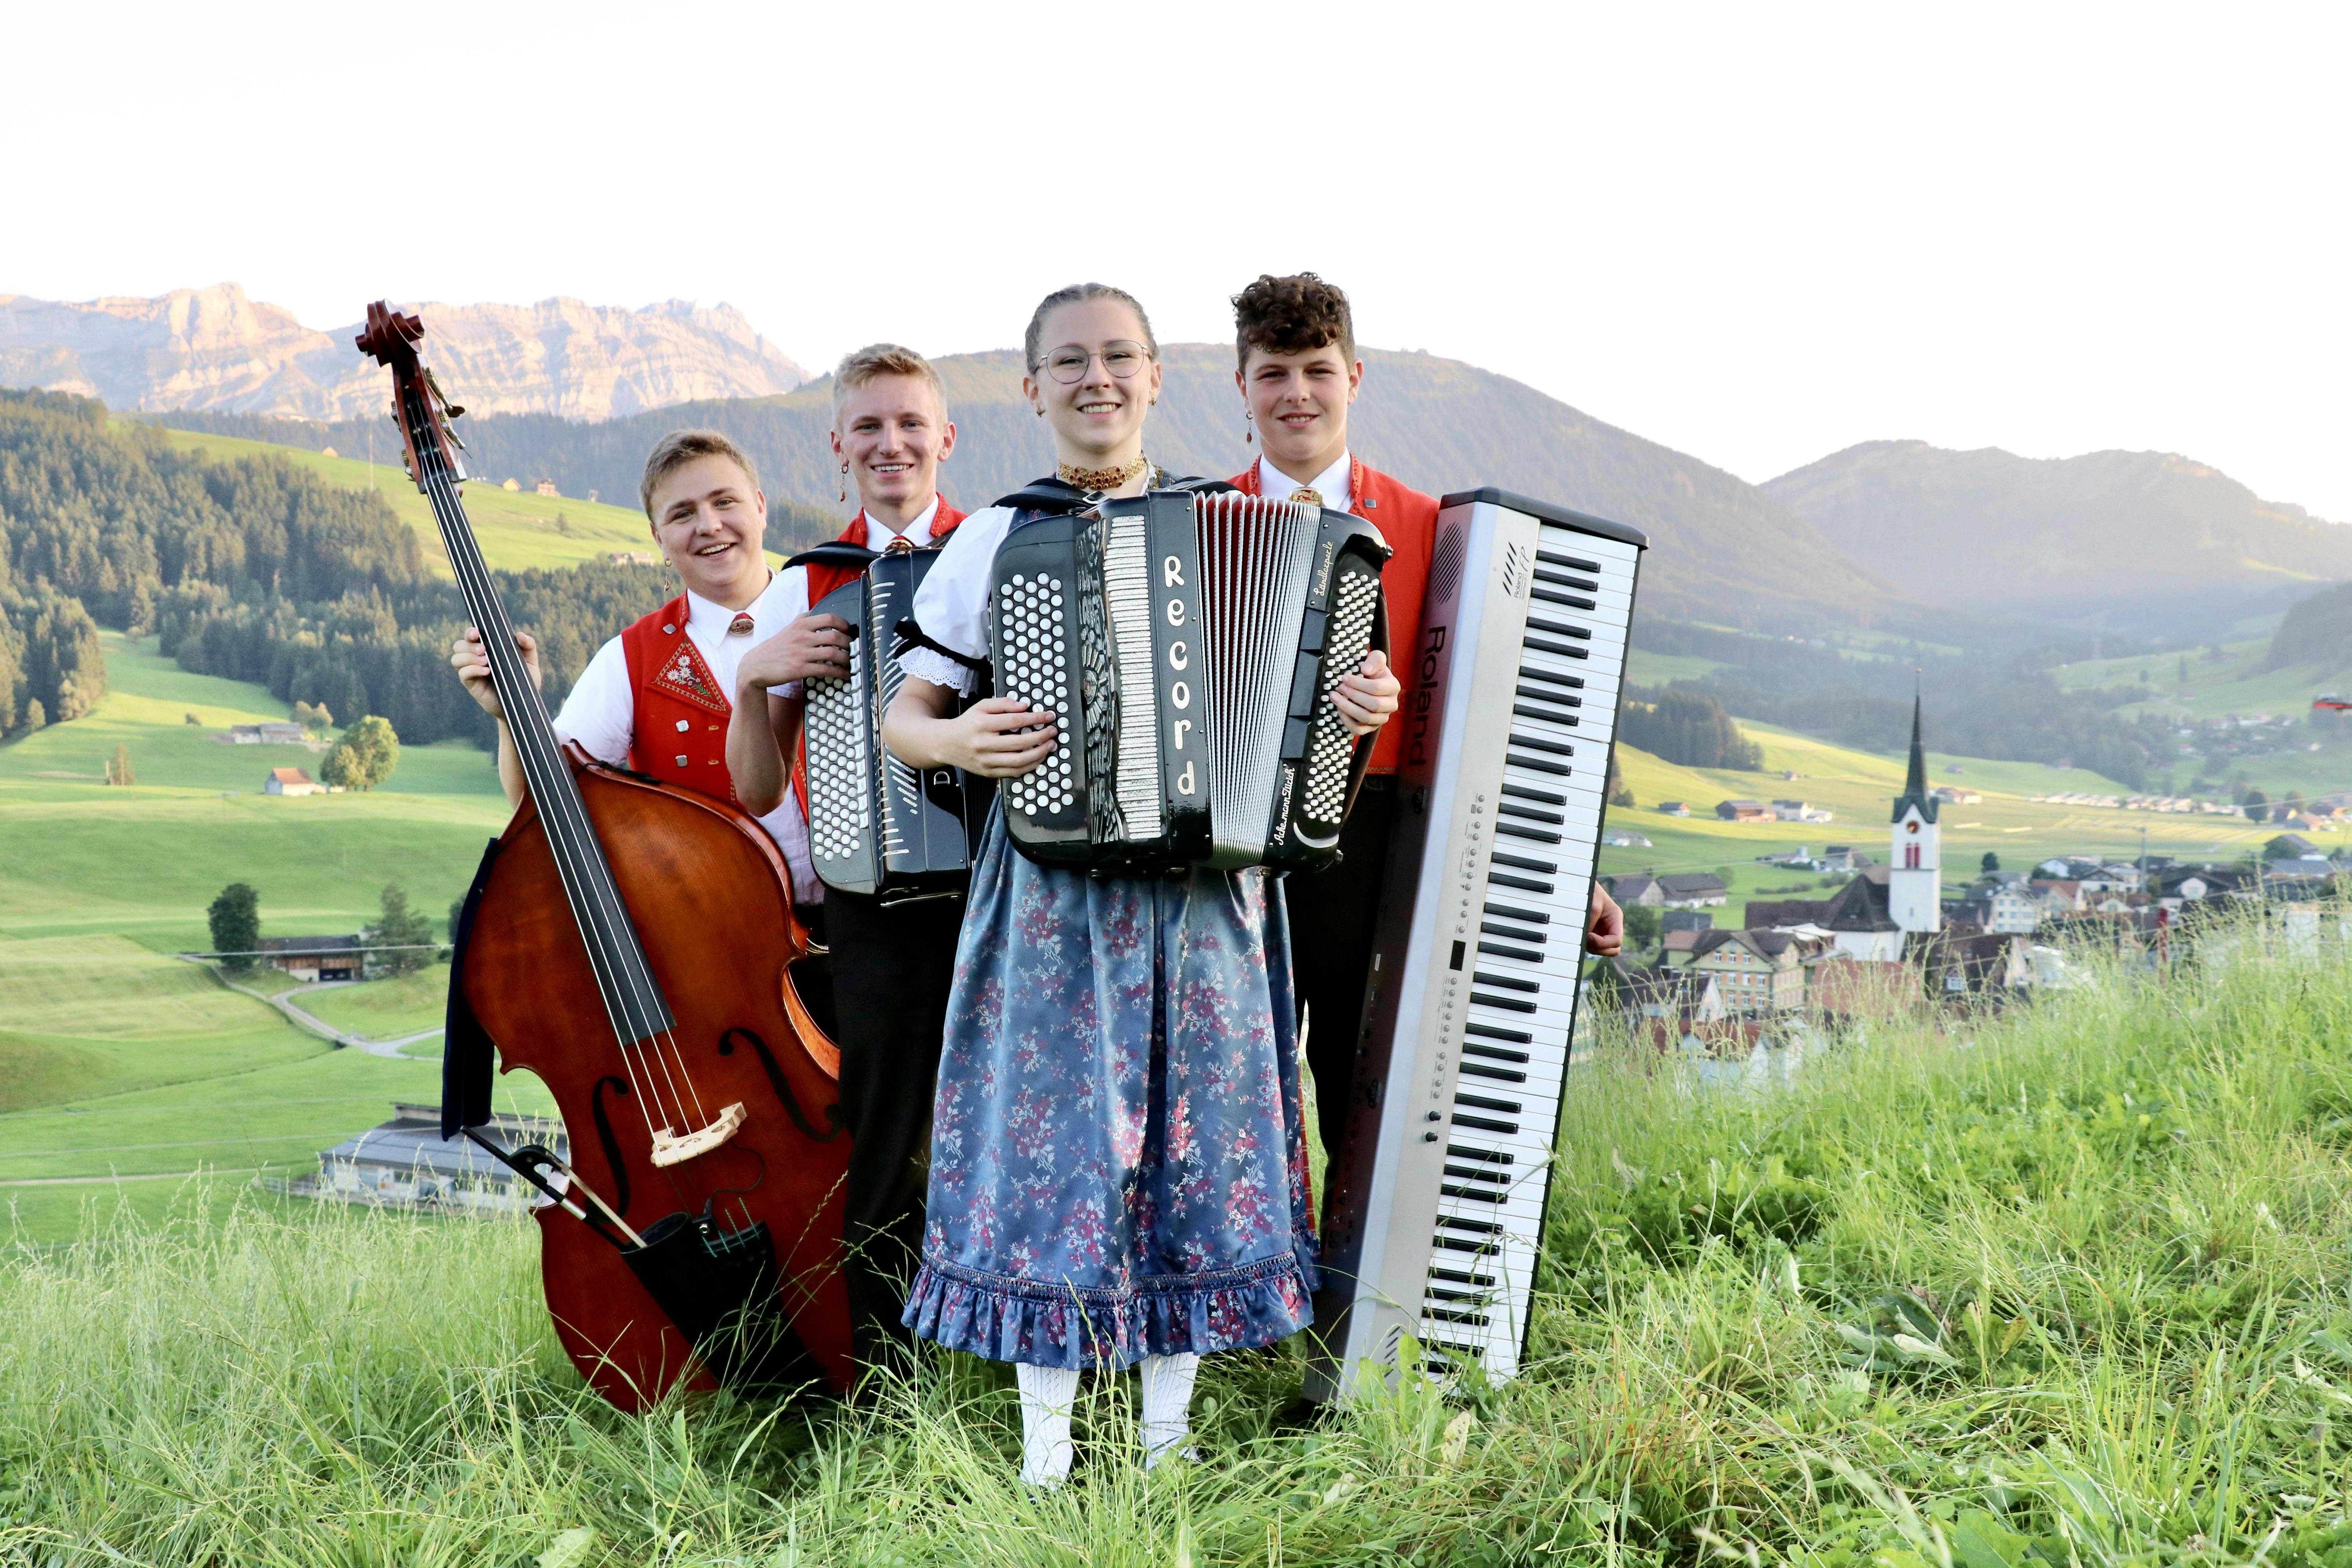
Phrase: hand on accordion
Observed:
(814, 648)
(999, 738)
(1366, 699)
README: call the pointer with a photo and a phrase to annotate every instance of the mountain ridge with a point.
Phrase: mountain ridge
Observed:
(216, 349)
(2143, 541)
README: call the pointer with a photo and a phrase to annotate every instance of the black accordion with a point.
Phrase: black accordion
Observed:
(877, 826)
(1187, 644)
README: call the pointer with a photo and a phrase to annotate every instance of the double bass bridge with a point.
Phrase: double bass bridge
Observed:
(677, 1148)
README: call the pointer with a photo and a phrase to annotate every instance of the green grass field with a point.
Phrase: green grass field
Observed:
(2067, 1288)
(384, 1009)
(1859, 787)
(77, 855)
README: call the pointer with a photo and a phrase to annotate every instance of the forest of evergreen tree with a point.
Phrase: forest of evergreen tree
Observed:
(252, 569)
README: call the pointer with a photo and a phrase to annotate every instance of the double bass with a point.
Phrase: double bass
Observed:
(633, 944)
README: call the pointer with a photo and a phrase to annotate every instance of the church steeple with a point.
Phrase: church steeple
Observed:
(1915, 782)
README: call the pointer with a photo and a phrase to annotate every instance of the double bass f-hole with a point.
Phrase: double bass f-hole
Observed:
(783, 1090)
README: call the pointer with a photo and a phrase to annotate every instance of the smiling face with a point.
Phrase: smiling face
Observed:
(893, 433)
(1299, 403)
(710, 520)
(1098, 419)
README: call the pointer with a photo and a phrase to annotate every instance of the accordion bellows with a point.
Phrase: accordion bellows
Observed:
(1187, 646)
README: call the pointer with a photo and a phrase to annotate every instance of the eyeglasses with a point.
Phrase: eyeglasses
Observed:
(1067, 363)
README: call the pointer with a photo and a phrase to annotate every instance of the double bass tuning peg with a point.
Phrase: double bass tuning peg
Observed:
(448, 409)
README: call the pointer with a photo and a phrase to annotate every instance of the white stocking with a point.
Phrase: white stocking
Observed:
(1167, 1403)
(1047, 1396)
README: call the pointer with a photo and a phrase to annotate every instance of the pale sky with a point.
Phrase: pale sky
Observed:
(1757, 234)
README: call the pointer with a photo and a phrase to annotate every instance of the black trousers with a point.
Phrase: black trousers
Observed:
(1333, 914)
(892, 968)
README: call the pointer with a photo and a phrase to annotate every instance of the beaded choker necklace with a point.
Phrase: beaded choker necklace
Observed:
(1094, 482)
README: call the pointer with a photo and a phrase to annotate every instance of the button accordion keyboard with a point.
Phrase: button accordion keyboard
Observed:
(1187, 646)
(1435, 1220)
(877, 826)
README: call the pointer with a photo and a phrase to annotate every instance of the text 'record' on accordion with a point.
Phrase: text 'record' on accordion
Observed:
(1187, 646)
(1436, 1213)
(877, 826)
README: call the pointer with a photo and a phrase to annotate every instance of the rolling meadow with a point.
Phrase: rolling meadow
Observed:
(2067, 1286)
(2064, 1286)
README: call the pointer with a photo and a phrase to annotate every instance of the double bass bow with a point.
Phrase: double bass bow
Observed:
(632, 944)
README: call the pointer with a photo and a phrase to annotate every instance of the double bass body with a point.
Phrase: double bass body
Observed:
(711, 902)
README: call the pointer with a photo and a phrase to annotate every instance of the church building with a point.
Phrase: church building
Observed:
(1914, 878)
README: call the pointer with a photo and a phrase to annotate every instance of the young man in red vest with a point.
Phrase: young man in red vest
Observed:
(1296, 341)
(659, 697)
(892, 967)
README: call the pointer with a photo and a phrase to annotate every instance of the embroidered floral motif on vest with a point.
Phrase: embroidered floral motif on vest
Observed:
(683, 675)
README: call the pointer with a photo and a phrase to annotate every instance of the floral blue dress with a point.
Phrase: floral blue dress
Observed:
(1119, 1158)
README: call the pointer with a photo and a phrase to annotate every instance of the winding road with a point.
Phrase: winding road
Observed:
(284, 1002)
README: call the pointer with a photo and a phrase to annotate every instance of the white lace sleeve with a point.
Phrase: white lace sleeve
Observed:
(951, 606)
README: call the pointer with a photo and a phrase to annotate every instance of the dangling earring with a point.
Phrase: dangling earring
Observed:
(1249, 436)
(1040, 409)
(845, 482)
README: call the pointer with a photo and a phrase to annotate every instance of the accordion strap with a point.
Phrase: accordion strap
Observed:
(911, 635)
(1051, 498)
(834, 553)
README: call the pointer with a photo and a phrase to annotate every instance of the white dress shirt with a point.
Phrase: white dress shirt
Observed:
(1331, 483)
(601, 711)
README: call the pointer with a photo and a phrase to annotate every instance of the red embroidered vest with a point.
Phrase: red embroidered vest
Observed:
(823, 579)
(1408, 520)
(679, 733)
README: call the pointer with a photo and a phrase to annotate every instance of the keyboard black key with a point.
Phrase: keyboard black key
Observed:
(1491, 1156)
(1507, 981)
(1557, 629)
(1497, 949)
(1508, 1107)
(1531, 917)
(1500, 1075)
(1529, 672)
(1535, 743)
(1523, 862)
(1573, 563)
(1508, 1004)
(1493, 1033)
(1470, 1049)
(1529, 884)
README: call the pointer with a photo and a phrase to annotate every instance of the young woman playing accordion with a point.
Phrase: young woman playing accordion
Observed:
(1118, 1166)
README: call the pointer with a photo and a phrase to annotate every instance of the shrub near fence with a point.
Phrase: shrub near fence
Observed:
(2073, 1285)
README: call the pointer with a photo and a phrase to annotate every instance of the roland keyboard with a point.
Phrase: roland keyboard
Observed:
(1436, 1210)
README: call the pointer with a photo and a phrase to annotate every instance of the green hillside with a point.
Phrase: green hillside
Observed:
(518, 529)
(79, 857)
(1858, 787)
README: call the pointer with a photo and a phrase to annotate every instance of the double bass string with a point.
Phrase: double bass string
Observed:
(647, 1014)
(628, 988)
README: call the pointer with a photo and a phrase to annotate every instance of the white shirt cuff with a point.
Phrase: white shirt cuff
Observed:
(938, 668)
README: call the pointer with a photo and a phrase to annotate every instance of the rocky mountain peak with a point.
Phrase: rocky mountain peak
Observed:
(218, 349)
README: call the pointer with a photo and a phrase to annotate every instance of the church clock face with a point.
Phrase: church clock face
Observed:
(1912, 826)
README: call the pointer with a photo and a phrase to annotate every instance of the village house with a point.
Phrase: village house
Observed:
(1743, 811)
(1756, 971)
(404, 1164)
(545, 487)
(1676, 948)
(1673, 808)
(271, 733)
(1635, 890)
(1693, 890)
(1798, 811)
(1686, 920)
(1999, 907)
(289, 781)
(1952, 794)
(1840, 988)
(311, 959)
(1856, 916)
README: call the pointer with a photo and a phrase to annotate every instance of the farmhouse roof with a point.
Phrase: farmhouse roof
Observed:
(289, 776)
(309, 944)
(1684, 883)
(412, 1141)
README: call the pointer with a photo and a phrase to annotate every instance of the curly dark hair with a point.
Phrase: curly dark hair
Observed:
(1291, 315)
